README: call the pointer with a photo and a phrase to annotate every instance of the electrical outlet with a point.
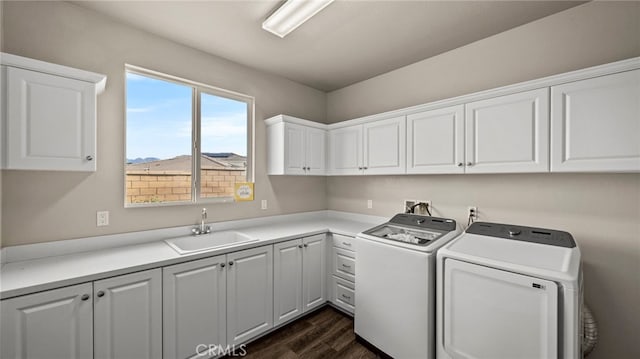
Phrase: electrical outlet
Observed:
(102, 218)
(369, 203)
(263, 204)
(472, 212)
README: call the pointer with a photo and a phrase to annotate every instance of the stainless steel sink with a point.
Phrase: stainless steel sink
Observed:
(206, 242)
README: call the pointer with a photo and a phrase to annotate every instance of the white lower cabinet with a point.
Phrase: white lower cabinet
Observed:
(119, 317)
(214, 303)
(249, 293)
(299, 277)
(343, 294)
(54, 324)
(342, 275)
(128, 316)
(194, 307)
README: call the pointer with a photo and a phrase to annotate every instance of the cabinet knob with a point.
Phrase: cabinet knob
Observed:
(364, 168)
(346, 296)
(85, 297)
(101, 294)
(306, 245)
(460, 164)
(299, 245)
(89, 158)
(360, 168)
(469, 163)
(230, 263)
(222, 265)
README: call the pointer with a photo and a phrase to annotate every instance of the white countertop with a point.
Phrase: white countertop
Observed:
(33, 268)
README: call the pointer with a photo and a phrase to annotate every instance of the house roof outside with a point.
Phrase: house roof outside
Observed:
(182, 164)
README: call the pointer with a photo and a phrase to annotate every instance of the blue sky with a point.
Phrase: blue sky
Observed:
(159, 120)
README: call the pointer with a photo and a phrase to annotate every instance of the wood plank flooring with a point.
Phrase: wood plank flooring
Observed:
(326, 333)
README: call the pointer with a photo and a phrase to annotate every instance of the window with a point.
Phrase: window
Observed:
(185, 142)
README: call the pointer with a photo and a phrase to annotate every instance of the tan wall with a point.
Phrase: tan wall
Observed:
(602, 211)
(45, 206)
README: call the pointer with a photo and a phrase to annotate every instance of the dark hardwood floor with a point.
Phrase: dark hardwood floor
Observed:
(326, 333)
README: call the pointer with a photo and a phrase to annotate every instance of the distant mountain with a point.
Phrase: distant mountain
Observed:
(142, 160)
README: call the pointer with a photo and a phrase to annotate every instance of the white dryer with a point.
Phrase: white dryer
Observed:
(506, 291)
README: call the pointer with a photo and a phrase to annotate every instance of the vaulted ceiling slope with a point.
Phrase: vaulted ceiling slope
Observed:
(348, 42)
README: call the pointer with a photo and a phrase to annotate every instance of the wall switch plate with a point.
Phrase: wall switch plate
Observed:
(263, 204)
(369, 203)
(102, 218)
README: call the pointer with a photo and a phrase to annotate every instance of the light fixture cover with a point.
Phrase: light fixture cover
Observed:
(292, 14)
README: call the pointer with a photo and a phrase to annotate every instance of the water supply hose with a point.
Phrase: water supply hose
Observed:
(589, 332)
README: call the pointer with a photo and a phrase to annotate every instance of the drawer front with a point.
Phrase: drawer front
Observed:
(344, 242)
(344, 265)
(343, 294)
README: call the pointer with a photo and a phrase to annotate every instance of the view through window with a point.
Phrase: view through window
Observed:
(185, 142)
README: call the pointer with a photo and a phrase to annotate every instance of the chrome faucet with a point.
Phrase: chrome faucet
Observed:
(202, 228)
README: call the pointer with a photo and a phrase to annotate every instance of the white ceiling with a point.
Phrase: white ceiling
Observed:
(347, 42)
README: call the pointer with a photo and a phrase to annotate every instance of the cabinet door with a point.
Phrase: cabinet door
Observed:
(315, 151)
(294, 153)
(53, 324)
(596, 124)
(51, 122)
(194, 306)
(128, 316)
(249, 293)
(345, 150)
(508, 134)
(385, 146)
(435, 141)
(287, 280)
(314, 271)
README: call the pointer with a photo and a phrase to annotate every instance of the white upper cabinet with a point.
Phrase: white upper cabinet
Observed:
(435, 141)
(596, 124)
(345, 150)
(508, 134)
(50, 115)
(377, 147)
(385, 146)
(295, 146)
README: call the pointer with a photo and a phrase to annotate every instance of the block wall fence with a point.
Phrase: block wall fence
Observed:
(149, 187)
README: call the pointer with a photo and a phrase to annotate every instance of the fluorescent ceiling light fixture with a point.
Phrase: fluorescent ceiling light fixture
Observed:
(292, 14)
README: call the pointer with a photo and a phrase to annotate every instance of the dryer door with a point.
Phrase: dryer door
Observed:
(491, 313)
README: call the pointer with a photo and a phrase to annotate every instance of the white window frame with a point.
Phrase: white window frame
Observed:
(197, 89)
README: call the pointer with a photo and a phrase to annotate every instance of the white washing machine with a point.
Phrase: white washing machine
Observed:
(506, 291)
(395, 289)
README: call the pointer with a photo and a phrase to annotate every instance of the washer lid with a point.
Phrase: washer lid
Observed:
(521, 233)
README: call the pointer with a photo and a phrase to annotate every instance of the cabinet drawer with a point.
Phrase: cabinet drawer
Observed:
(342, 294)
(344, 265)
(344, 242)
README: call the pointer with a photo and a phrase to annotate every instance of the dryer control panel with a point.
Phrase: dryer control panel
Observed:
(521, 233)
